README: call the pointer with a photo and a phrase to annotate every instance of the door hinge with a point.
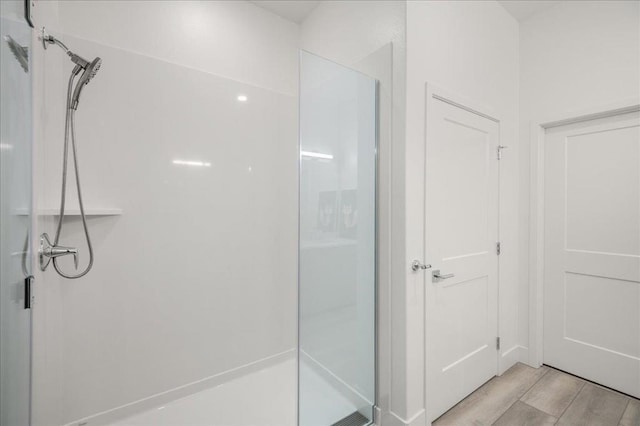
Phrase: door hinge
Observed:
(497, 343)
(498, 248)
(28, 281)
(500, 148)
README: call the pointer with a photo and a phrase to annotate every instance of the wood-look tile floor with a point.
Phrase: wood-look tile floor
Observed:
(525, 396)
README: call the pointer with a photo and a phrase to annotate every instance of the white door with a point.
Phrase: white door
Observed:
(461, 231)
(592, 251)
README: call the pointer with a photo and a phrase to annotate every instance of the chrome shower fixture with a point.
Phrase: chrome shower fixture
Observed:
(49, 39)
(90, 68)
(51, 252)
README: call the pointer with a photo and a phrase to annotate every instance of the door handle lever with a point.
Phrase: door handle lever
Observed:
(439, 277)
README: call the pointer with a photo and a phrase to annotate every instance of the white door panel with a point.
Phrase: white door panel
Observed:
(592, 251)
(461, 230)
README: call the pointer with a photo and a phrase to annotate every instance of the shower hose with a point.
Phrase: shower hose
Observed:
(70, 133)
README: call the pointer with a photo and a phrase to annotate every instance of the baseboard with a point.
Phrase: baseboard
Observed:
(512, 356)
(159, 399)
(531, 359)
(377, 416)
(508, 358)
(392, 419)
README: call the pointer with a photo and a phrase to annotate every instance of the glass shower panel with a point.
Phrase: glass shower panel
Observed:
(338, 126)
(15, 217)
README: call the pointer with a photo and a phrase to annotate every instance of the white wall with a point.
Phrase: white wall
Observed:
(470, 49)
(574, 57)
(233, 39)
(198, 275)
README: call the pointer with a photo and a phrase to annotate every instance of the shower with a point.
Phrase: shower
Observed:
(52, 250)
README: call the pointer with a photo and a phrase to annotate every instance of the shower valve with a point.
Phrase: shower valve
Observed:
(49, 251)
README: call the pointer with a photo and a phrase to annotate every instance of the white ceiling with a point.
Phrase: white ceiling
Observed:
(298, 10)
(293, 10)
(524, 9)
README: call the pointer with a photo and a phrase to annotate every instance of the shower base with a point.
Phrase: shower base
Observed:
(265, 397)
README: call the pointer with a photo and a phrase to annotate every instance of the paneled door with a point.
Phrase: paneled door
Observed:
(461, 231)
(592, 250)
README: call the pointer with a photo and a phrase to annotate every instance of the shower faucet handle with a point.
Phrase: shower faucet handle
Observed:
(49, 251)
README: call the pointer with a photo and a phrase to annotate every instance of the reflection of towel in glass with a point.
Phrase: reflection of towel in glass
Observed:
(327, 211)
(349, 213)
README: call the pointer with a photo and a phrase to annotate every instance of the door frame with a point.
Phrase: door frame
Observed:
(537, 133)
(436, 93)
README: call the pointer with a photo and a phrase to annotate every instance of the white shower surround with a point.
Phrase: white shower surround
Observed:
(197, 277)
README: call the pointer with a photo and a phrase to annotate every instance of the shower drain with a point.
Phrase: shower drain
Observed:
(353, 419)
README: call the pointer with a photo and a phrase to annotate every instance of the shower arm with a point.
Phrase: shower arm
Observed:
(49, 39)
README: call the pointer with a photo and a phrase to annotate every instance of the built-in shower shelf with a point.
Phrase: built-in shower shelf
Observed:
(92, 211)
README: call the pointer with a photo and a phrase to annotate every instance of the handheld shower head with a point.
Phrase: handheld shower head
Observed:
(90, 70)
